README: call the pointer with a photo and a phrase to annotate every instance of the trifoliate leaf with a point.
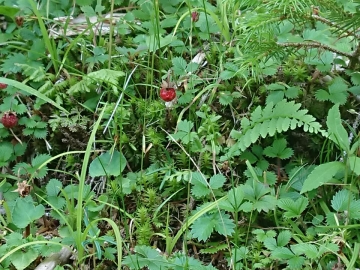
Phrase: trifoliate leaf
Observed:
(234, 200)
(278, 149)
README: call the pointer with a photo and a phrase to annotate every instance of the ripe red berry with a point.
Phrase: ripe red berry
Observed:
(3, 85)
(194, 16)
(9, 119)
(167, 94)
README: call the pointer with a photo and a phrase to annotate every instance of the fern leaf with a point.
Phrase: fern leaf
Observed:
(275, 119)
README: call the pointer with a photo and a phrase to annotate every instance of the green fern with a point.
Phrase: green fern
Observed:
(106, 76)
(274, 119)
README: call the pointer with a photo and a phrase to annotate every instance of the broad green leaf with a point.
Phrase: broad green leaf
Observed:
(234, 200)
(200, 186)
(108, 164)
(270, 243)
(203, 227)
(283, 238)
(25, 212)
(223, 224)
(22, 259)
(217, 181)
(146, 257)
(296, 262)
(293, 208)
(341, 200)
(321, 175)
(9, 11)
(282, 253)
(354, 164)
(179, 66)
(337, 132)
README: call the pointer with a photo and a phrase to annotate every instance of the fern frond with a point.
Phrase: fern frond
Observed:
(107, 76)
(274, 119)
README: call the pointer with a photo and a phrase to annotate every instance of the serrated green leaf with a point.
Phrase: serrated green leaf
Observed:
(53, 187)
(283, 238)
(234, 200)
(296, 262)
(322, 95)
(25, 212)
(282, 253)
(223, 224)
(341, 199)
(202, 227)
(225, 98)
(293, 208)
(217, 181)
(200, 187)
(270, 243)
(355, 78)
(185, 125)
(179, 66)
(321, 175)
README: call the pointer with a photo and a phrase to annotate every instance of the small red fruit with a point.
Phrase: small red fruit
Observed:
(3, 85)
(9, 119)
(194, 16)
(167, 94)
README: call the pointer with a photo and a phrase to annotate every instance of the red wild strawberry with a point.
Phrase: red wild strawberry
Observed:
(167, 94)
(194, 16)
(3, 85)
(9, 119)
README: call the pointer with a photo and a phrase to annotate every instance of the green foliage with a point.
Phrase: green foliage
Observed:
(33, 168)
(293, 209)
(274, 119)
(204, 226)
(243, 79)
(200, 186)
(108, 164)
(106, 76)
